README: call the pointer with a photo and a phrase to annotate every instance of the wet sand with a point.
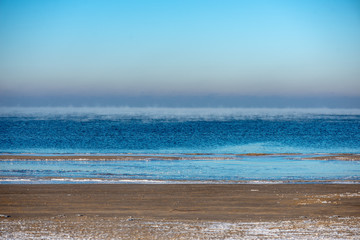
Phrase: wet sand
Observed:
(175, 211)
(338, 157)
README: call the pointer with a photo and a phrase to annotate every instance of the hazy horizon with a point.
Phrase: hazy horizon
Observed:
(180, 53)
(210, 101)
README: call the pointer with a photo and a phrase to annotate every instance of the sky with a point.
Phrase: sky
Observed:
(93, 51)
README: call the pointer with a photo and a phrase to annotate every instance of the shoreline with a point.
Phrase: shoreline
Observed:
(68, 180)
(149, 211)
(110, 176)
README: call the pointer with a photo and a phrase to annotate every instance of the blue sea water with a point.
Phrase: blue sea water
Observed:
(238, 170)
(159, 130)
(175, 132)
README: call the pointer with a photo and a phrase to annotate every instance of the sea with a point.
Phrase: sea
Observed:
(178, 145)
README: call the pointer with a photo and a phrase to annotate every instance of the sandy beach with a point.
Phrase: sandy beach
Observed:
(174, 211)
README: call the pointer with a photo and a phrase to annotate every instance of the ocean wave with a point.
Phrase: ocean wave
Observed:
(57, 180)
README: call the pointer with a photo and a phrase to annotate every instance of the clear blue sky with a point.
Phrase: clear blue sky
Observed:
(195, 47)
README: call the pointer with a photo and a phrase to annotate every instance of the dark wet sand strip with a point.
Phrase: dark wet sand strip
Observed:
(338, 157)
(185, 156)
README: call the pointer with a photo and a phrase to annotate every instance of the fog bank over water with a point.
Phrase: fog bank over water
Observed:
(9, 100)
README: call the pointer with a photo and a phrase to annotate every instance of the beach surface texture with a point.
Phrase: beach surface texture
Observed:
(180, 211)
